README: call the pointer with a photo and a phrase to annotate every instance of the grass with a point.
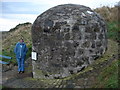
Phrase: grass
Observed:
(109, 77)
(19, 25)
(1, 87)
(11, 54)
(113, 30)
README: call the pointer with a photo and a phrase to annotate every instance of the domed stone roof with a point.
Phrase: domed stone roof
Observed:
(67, 38)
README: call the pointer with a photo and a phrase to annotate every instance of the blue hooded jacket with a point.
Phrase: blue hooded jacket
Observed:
(20, 50)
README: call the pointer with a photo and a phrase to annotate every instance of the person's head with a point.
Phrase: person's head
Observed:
(21, 40)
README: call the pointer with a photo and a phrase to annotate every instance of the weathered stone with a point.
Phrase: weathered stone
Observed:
(67, 38)
(101, 36)
(80, 51)
(86, 44)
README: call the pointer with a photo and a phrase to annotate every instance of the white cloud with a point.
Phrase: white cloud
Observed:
(21, 17)
(15, 19)
(6, 25)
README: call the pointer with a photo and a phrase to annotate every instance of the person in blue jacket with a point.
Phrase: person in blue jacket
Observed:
(20, 51)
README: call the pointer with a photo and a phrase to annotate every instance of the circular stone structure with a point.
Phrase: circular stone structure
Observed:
(67, 38)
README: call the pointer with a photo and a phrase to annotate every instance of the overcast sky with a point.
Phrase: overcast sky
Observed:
(14, 12)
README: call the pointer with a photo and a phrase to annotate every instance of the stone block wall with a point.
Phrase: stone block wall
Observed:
(67, 38)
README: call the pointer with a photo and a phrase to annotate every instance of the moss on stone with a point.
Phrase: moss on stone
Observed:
(39, 73)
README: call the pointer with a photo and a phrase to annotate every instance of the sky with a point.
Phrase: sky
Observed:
(14, 12)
